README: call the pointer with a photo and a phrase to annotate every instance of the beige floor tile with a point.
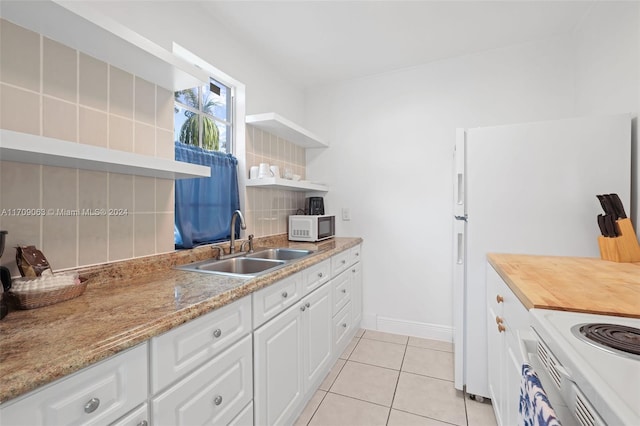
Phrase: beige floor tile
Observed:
(338, 410)
(366, 382)
(310, 408)
(331, 377)
(349, 349)
(438, 345)
(385, 337)
(428, 362)
(375, 352)
(400, 418)
(429, 397)
(480, 413)
(360, 332)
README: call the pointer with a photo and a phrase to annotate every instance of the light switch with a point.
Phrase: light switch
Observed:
(346, 214)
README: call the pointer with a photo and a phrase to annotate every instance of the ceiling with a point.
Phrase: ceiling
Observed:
(319, 42)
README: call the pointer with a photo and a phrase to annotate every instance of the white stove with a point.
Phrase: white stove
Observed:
(600, 386)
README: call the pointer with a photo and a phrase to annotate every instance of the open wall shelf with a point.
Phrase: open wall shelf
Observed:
(287, 184)
(34, 149)
(286, 129)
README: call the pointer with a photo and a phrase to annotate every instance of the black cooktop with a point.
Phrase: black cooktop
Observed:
(611, 336)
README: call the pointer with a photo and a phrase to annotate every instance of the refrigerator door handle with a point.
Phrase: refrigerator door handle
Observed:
(460, 256)
(460, 188)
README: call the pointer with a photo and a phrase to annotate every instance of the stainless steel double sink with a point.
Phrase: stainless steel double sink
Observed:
(249, 264)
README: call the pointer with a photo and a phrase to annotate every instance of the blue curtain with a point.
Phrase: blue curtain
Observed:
(204, 205)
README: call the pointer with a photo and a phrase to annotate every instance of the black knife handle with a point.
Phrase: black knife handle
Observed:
(610, 224)
(618, 206)
(602, 226)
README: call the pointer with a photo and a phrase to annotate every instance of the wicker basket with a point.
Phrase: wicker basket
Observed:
(38, 298)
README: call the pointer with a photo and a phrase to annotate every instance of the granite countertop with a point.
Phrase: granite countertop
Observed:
(140, 301)
(578, 284)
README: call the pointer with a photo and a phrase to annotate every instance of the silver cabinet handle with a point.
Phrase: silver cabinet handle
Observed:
(303, 308)
(92, 405)
(344, 290)
(285, 294)
(217, 332)
(307, 304)
(357, 253)
(143, 423)
(217, 400)
(353, 270)
(320, 274)
(344, 261)
(344, 324)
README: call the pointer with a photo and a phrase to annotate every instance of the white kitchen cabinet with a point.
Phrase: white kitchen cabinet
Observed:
(356, 293)
(214, 393)
(245, 418)
(341, 291)
(292, 355)
(96, 395)
(137, 417)
(183, 349)
(342, 328)
(317, 337)
(340, 262)
(278, 387)
(507, 319)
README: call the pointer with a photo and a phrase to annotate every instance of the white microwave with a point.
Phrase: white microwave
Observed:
(311, 227)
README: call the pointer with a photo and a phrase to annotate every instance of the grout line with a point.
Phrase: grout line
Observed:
(395, 389)
(425, 417)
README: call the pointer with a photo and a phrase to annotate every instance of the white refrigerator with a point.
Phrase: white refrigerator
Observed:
(530, 189)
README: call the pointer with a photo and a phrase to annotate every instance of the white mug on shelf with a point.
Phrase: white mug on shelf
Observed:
(275, 170)
(253, 172)
(264, 171)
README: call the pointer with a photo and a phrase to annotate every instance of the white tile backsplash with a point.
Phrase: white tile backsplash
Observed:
(49, 89)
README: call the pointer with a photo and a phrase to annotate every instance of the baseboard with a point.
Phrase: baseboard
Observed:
(408, 328)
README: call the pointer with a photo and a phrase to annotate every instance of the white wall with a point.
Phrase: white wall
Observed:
(392, 139)
(189, 25)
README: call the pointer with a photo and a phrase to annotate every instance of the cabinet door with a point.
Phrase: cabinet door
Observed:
(342, 327)
(495, 364)
(213, 394)
(97, 395)
(340, 262)
(317, 336)
(278, 387)
(356, 293)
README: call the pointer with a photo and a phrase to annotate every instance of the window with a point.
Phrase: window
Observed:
(203, 117)
(203, 132)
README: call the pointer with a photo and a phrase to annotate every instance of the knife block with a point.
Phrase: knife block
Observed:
(624, 248)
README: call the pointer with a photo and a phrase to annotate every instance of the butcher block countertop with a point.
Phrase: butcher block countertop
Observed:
(125, 304)
(578, 284)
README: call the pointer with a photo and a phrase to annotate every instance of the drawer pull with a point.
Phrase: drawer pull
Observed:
(344, 324)
(501, 328)
(307, 304)
(217, 332)
(92, 405)
(320, 274)
(357, 253)
(344, 290)
(143, 423)
(499, 299)
(499, 320)
(285, 294)
(344, 261)
(303, 308)
(217, 400)
(353, 270)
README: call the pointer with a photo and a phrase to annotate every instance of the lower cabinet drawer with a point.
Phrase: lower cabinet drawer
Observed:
(181, 350)
(341, 291)
(245, 418)
(316, 275)
(213, 394)
(342, 326)
(138, 417)
(271, 300)
(97, 395)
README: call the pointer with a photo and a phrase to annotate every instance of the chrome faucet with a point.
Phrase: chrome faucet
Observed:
(237, 213)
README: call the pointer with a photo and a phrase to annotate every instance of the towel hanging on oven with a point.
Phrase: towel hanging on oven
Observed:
(535, 408)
